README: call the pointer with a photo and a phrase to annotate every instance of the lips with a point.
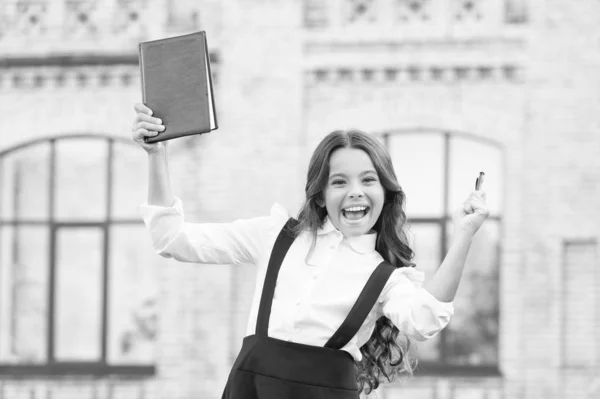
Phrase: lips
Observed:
(355, 212)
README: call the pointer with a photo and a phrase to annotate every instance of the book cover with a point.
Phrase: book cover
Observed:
(177, 85)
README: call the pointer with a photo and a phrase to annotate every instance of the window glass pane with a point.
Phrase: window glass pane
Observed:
(25, 183)
(78, 296)
(184, 14)
(473, 331)
(425, 241)
(516, 11)
(419, 164)
(23, 294)
(132, 296)
(130, 170)
(195, 15)
(81, 178)
(579, 302)
(428, 351)
(467, 159)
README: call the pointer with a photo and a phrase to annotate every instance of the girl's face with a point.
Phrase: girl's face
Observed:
(353, 194)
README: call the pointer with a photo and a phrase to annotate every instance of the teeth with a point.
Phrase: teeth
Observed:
(355, 209)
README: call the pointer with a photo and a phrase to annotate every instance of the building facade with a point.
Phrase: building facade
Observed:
(452, 88)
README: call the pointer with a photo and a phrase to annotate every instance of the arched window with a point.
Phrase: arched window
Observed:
(78, 284)
(437, 169)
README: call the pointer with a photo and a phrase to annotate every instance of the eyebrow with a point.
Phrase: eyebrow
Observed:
(340, 174)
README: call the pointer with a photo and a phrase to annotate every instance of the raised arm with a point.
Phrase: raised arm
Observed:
(467, 220)
(159, 184)
(240, 241)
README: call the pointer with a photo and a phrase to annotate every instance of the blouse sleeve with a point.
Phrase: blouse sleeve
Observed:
(241, 241)
(411, 308)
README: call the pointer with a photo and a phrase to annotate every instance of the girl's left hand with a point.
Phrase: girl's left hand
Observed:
(469, 217)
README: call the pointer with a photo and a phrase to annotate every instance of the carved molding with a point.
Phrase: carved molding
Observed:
(64, 78)
(415, 74)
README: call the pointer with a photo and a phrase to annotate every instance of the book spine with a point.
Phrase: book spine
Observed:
(210, 83)
(141, 62)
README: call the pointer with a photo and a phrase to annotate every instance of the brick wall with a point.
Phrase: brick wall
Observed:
(560, 188)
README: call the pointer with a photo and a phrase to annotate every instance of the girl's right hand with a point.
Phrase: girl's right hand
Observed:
(144, 125)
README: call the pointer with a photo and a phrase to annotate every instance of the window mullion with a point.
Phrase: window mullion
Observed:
(52, 254)
(444, 233)
(105, 252)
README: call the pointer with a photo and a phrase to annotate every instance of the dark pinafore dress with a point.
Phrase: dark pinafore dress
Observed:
(269, 368)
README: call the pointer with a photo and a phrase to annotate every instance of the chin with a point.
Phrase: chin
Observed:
(354, 231)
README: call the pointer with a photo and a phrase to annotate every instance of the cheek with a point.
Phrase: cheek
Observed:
(380, 199)
(333, 200)
(379, 195)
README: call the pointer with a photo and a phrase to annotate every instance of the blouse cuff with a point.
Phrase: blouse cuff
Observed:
(149, 212)
(162, 222)
(430, 316)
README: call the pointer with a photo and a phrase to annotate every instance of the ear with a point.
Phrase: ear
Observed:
(319, 201)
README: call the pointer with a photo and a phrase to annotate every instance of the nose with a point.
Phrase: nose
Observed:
(356, 191)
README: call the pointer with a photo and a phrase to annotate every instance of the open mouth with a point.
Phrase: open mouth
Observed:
(355, 212)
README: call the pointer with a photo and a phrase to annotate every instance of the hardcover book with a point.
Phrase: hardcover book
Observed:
(177, 85)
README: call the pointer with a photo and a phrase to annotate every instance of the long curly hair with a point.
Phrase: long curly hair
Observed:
(386, 353)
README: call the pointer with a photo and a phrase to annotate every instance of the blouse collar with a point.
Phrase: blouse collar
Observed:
(361, 244)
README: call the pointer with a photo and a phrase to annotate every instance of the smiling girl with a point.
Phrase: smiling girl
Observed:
(337, 298)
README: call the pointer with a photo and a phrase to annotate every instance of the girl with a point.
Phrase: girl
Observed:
(335, 287)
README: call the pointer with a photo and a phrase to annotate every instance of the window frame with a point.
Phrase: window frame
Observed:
(443, 367)
(51, 366)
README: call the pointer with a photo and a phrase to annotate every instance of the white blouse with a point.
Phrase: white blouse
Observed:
(313, 294)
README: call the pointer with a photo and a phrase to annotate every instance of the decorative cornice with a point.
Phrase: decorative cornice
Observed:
(446, 74)
(59, 78)
(70, 60)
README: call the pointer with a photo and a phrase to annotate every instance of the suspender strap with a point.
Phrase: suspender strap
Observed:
(280, 248)
(363, 305)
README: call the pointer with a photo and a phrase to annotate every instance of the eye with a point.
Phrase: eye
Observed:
(369, 179)
(337, 182)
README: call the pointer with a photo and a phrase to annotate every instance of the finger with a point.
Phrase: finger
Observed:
(139, 135)
(141, 117)
(479, 194)
(479, 206)
(148, 126)
(482, 210)
(468, 207)
(141, 107)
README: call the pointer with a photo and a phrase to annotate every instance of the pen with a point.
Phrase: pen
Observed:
(479, 181)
